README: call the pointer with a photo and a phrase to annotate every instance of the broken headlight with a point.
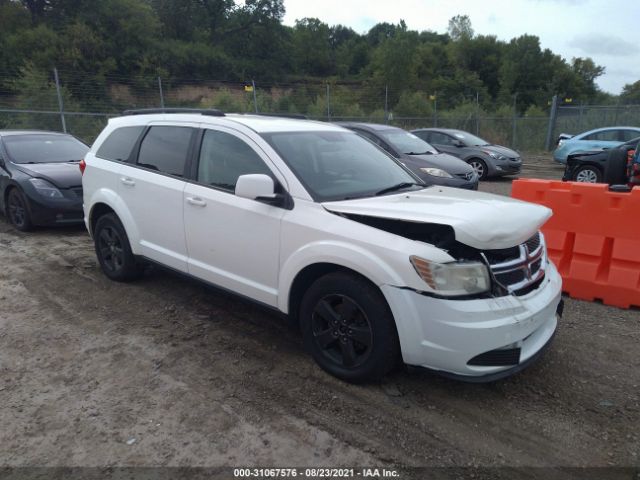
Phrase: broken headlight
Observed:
(461, 278)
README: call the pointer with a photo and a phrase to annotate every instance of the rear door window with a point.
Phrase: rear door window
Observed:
(629, 135)
(606, 135)
(165, 149)
(119, 145)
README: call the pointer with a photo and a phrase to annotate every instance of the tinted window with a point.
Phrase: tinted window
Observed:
(119, 144)
(165, 149)
(628, 135)
(426, 136)
(438, 138)
(468, 139)
(224, 157)
(406, 142)
(34, 148)
(337, 165)
(371, 137)
(607, 135)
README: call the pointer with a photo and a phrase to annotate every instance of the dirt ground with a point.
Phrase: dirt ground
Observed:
(167, 372)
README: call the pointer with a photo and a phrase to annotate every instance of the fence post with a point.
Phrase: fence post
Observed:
(60, 102)
(161, 94)
(328, 104)
(255, 96)
(477, 113)
(552, 122)
(386, 104)
(515, 119)
(435, 109)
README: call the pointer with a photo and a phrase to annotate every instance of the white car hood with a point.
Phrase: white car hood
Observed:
(479, 220)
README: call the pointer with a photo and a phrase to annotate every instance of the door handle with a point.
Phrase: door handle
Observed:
(127, 181)
(197, 201)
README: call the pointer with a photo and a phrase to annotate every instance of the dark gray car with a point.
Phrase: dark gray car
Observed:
(433, 167)
(486, 159)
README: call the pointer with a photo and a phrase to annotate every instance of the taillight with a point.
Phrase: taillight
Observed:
(82, 166)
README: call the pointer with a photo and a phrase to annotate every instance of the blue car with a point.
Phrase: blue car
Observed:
(598, 139)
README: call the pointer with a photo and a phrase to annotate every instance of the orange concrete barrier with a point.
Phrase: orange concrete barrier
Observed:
(593, 238)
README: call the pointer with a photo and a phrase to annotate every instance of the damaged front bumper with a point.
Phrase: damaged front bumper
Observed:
(478, 339)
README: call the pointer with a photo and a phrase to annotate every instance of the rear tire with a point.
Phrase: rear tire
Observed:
(480, 167)
(616, 169)
(348, 328)
(18, 211)
(114, 251)
(588, 174)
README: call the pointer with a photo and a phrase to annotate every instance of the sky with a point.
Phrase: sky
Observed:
(608, 31)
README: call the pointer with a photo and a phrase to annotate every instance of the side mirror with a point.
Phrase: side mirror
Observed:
(256, 186)
(458, 143)
(2, 164)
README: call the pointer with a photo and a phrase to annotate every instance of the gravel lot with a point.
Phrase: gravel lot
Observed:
(168, 372)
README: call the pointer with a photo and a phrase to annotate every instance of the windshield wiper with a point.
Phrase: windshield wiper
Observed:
(428, 152)
(399, 186)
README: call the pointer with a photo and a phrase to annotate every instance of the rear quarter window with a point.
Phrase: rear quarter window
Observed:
(119, 144)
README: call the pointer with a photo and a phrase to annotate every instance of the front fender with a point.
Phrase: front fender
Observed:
(113, 201)
(347, 255)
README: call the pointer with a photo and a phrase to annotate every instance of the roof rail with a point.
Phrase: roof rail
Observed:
(298, 116)
(202, 111)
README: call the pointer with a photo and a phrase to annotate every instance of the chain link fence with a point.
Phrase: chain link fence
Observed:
(68, 101)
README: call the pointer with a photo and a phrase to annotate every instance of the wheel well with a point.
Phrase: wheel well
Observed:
(7, 191)
(476, 158)
(595, 165)
(305, 278)
(98, 210)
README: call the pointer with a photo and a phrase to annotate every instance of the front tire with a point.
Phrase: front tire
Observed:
(114, 251)
(18, 211)
(480, 167)
(616, 170)
(348, 328)
(587, 174)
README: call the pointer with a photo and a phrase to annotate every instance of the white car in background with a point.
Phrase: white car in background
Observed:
(316, 222)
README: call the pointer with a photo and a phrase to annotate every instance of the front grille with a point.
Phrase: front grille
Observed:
(518, 268)
(77, 191)
(497, 358)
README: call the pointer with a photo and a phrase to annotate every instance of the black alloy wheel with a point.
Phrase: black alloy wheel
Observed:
(17, 211)
(342, 330)
(114, 251)
(348, 328)
(111, 249)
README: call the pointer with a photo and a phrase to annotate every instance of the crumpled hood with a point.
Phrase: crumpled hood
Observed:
(62, 175)
(444, 161)
(479, 220)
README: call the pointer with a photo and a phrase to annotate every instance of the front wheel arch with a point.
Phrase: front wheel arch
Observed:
(590, 166)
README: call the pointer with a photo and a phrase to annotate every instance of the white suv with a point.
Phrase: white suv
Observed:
(312, 220)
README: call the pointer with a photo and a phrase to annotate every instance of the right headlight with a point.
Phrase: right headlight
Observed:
(462, 278)
(46, 189)
(436, 172)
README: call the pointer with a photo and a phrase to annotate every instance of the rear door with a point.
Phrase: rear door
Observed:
(152, 188)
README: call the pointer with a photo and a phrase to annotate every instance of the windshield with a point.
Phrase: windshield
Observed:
(44, 148)
(470, 140)
(339, 165)
(406, 142)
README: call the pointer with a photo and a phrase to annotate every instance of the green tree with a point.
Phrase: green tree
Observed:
(631, 93)
(460, 28)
